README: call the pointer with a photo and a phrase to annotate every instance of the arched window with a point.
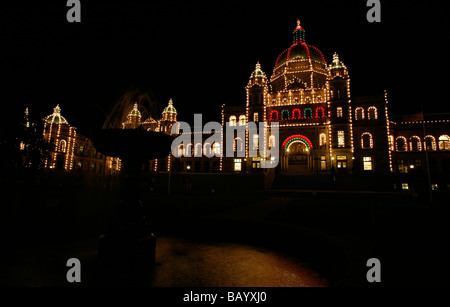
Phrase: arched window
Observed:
(359, 113)
(255, 142)
(242, 120)
(284, 114)
(271, 141)
(188, 150)
(232, 120)
(372, 113)
(180, 150)
(429, 143)
(366, 140)
(207, 149)
(415, 144)
(320, 112)
(308, 113)
(198, 150)
(274, 115)
(444, 141)
(322, 139)
(216, 149)
(62, 146)
(238, 145)
(401, 144)
(296, 114)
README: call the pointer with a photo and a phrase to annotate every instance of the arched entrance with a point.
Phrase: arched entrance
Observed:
(296, 155)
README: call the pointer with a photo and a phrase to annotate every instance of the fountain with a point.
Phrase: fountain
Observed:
(128, 245)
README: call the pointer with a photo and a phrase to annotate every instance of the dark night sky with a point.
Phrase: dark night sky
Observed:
(202, 53)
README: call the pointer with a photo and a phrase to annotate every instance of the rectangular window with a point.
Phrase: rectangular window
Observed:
(237, 165)
(255, 117)
(402, 166)
(341, 138)
(339, 112)
(323, 163)
(405, 187)
(434, 187)
(341, 161)
(367, 162)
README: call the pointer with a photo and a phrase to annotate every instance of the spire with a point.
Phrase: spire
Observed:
(336, 62)
(299, 33)
(57, 110)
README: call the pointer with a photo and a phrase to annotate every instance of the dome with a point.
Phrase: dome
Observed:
(299, 50)
(258, 73)
(170, 108)
(336, 62)
(135, 111)
(56, 117)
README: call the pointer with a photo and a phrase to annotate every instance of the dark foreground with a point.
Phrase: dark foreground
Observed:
(229, 238)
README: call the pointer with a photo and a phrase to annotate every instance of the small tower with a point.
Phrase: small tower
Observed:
(133, 118)
(61, 137)
(340, 111)
(169, 117)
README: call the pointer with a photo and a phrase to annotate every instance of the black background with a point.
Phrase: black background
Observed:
(201, 53)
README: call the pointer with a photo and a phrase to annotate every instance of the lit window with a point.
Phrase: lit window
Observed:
(323, 163)
(308, 113)
(322, 139)
(444, 141)
(341, 138)
(232, 120)
(339, 112)
(367, 162)
(434, 187)
(341, 161)
(271, 141)
(405, 187)
(429, 143)
(285, 114)
(242, 120)
(207, 149)
(198, 149)
(359, 113)
(255, 117)
(402, 166)
(216, 149)
(401, 144)
(62, 146)
(237, 165)
(372, 113)
(415, 144)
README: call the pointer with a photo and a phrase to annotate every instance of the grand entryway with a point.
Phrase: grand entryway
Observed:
(296, 152)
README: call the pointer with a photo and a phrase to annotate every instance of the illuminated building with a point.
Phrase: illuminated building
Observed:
(322, 128)
(312, 102)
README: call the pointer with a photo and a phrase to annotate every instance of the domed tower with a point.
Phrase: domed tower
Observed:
(169, 117)
(341, 130)
(133, 118)
(257, 90)
(61, 137)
